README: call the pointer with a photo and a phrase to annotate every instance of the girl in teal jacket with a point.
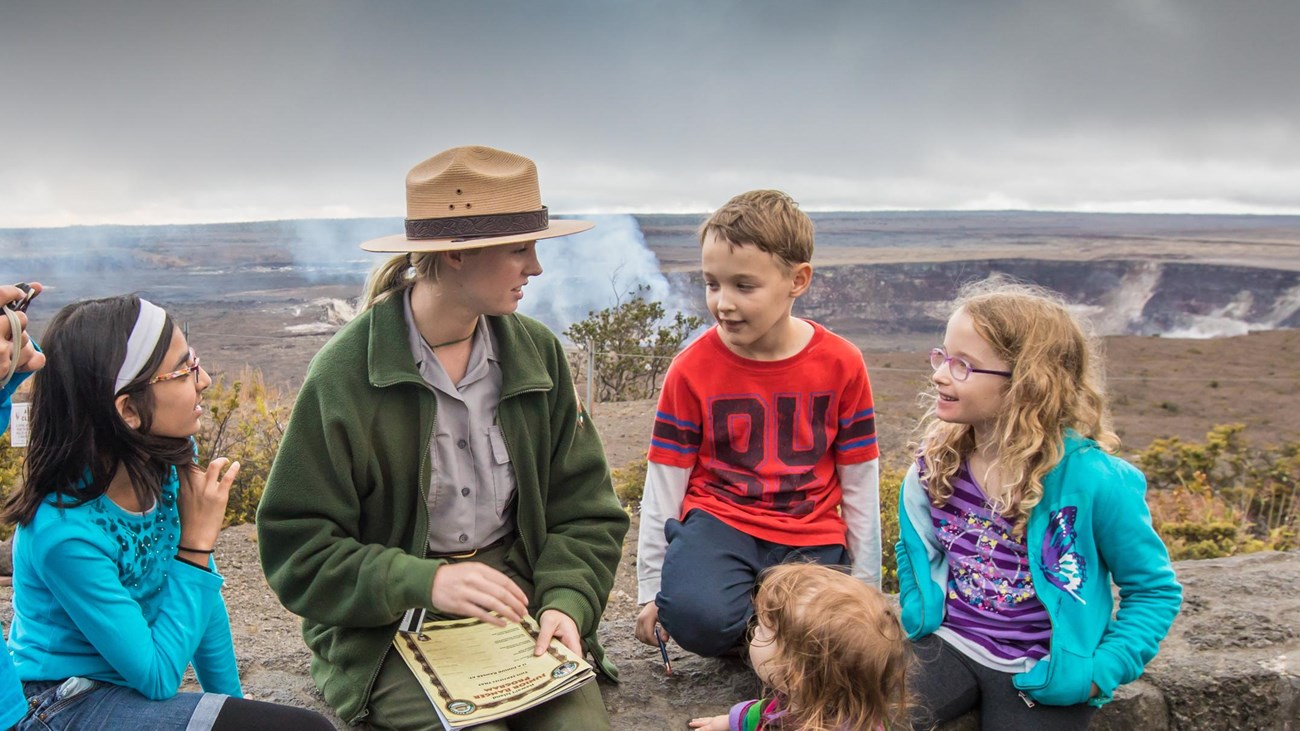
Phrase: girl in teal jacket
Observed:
(1016, 519)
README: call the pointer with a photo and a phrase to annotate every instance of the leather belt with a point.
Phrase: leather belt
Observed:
(468, 554)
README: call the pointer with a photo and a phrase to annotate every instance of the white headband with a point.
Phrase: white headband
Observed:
(144, 338)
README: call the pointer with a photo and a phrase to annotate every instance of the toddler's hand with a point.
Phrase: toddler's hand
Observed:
(717, 723)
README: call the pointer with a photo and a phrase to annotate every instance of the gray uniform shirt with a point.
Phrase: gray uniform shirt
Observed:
(472, 479)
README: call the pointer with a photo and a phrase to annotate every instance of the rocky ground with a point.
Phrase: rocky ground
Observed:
(1231, 662)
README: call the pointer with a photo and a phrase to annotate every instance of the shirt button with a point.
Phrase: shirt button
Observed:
(460, 443)
(464, 538)
(464, 491)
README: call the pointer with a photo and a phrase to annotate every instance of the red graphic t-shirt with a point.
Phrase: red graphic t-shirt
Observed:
(762, 438)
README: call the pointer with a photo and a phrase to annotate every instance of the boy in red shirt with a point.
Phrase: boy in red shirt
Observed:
(764, 447)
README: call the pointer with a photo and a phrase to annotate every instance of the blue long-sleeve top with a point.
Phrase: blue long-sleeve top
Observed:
(100, 594)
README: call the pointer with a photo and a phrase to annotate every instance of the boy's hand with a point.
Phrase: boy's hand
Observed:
(717, 723)
(557, 624)
(645, 625)
(472, 589)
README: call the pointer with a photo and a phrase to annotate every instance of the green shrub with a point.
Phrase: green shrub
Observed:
(245, 422)
(1221, 532)
(1223, 496)
(11, 469)
(891, 480)
(629, 481)
(633, 342)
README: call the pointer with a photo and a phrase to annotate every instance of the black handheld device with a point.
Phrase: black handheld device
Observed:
(20, 304)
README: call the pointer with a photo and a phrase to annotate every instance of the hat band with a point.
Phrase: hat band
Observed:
(471, 227)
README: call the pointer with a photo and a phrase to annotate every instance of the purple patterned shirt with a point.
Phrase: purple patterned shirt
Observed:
(991, 600)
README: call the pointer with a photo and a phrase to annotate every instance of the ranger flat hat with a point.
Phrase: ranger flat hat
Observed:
(471, 197)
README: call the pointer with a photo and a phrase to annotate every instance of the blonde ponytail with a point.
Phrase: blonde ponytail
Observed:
(394, 275)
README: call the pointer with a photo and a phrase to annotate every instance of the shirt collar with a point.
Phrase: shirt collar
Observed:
(482, 349)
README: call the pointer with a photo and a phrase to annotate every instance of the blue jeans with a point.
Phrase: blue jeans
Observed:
(706, 588)
(92, 705)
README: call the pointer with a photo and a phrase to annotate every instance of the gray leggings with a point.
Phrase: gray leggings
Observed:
(947, 684)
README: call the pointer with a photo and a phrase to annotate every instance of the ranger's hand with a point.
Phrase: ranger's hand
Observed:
(475, 590)
(557, 624)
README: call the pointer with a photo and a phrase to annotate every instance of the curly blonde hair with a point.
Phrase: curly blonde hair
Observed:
(841, 655)
(1056, 384)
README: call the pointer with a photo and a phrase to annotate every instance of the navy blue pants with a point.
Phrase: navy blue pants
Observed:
(706, 592)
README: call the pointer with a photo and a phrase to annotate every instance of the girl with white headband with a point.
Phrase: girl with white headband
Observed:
(115, 588)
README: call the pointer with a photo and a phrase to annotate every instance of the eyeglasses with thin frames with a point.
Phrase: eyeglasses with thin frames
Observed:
(959, 368)
(190, 367)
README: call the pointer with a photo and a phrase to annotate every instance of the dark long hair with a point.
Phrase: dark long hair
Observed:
(78, 438)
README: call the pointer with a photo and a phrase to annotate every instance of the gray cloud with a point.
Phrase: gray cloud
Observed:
(161, 111)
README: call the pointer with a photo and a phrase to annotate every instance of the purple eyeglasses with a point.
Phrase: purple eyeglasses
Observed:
(960, 368)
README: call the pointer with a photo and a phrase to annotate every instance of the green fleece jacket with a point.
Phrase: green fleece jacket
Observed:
(343, 523)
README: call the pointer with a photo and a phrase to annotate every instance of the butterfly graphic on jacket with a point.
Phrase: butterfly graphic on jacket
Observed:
(1063, 565)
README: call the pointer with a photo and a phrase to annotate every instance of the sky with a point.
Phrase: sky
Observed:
(173, 111)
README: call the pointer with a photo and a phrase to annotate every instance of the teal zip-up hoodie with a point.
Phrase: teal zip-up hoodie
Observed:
(1092, 527)
(343, 523)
